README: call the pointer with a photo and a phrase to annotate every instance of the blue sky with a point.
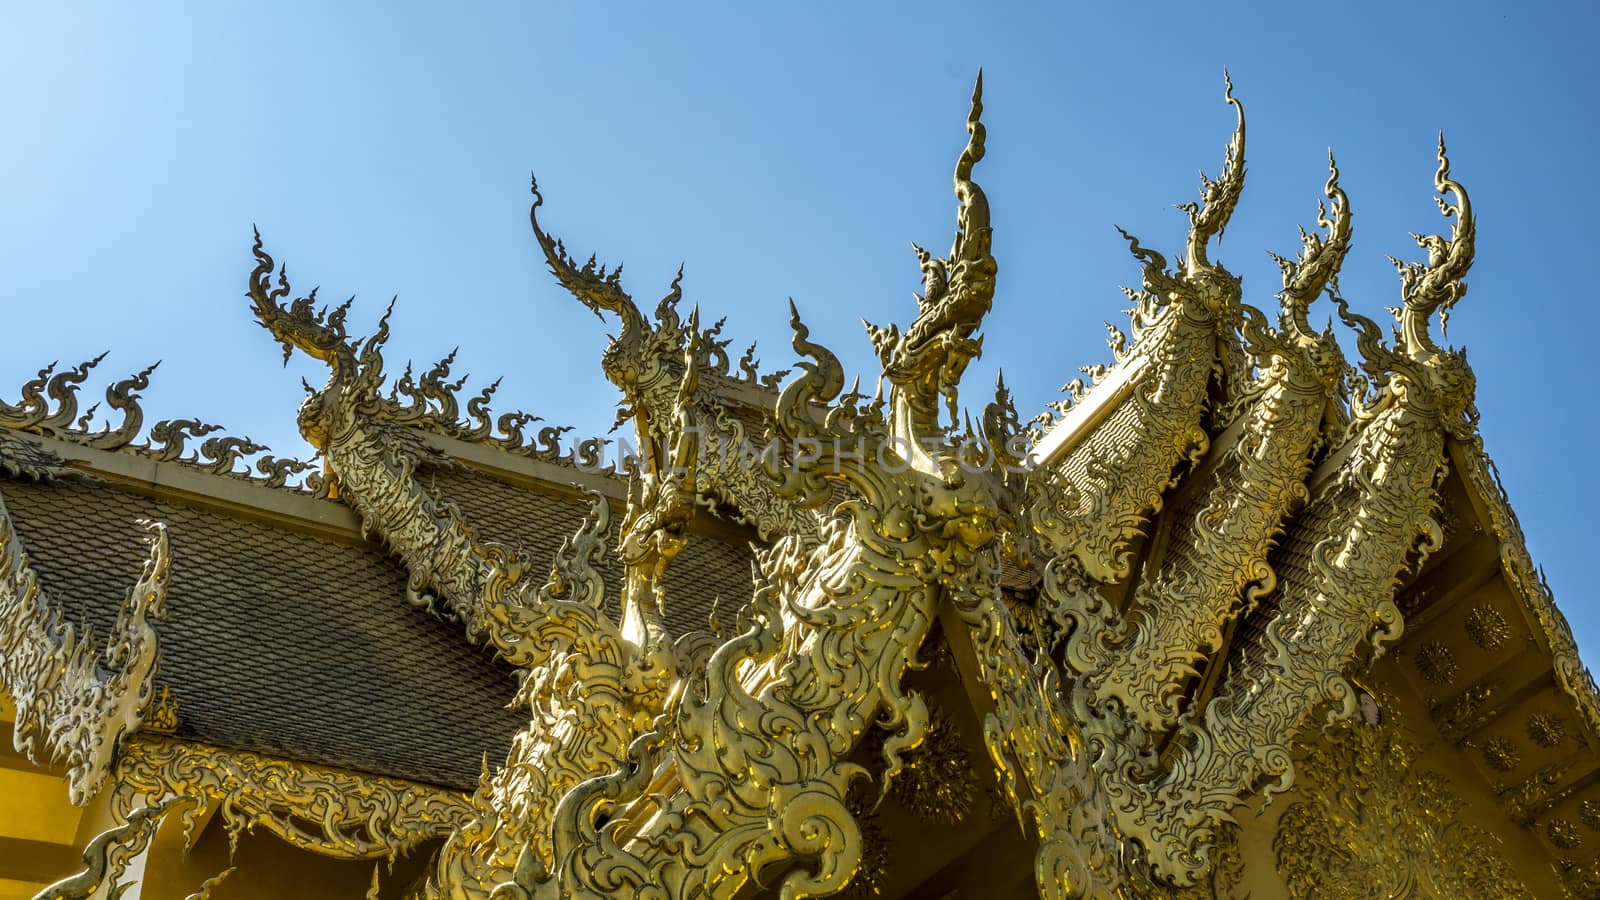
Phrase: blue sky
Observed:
(777, 150)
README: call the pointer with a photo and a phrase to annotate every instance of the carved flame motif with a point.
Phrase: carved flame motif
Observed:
(76, 701)
(49, 407)
(1366, 789)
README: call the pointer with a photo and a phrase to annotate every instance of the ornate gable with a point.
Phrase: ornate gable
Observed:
(1235, 618)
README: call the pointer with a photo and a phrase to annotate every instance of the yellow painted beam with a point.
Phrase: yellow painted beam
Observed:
(36, 808)
(13, 889)
(35, 861)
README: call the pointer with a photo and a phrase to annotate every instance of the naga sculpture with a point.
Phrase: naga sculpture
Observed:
(75, 702)
(647, 362)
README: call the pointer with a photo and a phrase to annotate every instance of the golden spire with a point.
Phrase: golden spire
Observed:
(972, 219)
(1219, 197)
(1305, 278)
(1437, 284)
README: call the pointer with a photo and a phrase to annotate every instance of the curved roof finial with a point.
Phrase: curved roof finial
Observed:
(1305, 278)
(1218, 197)
(1437, 285)
(596, 288)
(972, 219)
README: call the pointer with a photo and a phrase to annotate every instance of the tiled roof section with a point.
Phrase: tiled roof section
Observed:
(707, 572)
(1293, 561)
(1120, 429)
(708, 575)
(277, 641)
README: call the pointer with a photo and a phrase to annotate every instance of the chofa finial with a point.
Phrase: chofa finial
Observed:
(1316, 268)
(1437, 285)
(972, 234)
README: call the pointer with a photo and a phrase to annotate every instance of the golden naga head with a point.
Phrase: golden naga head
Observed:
(1416, 367)
(1205, 288)
(643, 354)
(1436, 285)
(928, 359)
(1305, 278)
(355, 368)
(1213, 286)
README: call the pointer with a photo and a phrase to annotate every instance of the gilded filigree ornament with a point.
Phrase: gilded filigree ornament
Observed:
(1563, 833)
(211, 884)
(1436, 663)
(1370, 521)
(49, 407)
(1487, 627)
(1375, 823)
(1226, 881)
(1546, 730)
(1164, 595)
(1125, 734)
(1470, 709)
(163, 715)
(1527, 800)
(107, 855)
(1180, 612)
(782, 666)
(319, 808)
(1501, 754)
(648, 362)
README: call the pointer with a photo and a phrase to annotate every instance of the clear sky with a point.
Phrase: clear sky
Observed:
(779, 150)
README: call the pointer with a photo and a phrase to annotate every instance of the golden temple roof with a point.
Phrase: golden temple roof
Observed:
(1238, 616)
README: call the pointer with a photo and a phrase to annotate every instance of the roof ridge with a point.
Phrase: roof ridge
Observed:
(49, 406)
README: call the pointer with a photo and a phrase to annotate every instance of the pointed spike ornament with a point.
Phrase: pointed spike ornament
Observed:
(1436, 285)
(1220, 196)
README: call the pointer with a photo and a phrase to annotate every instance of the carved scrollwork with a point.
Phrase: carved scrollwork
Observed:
(318, 808)
(49, 407)
(649, 360)
(106, 856)
(1155, 680)
(1373, 517)
(1375, 823)
(1180, 611)
(601, 693)
(210, 884)
(77, 701)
